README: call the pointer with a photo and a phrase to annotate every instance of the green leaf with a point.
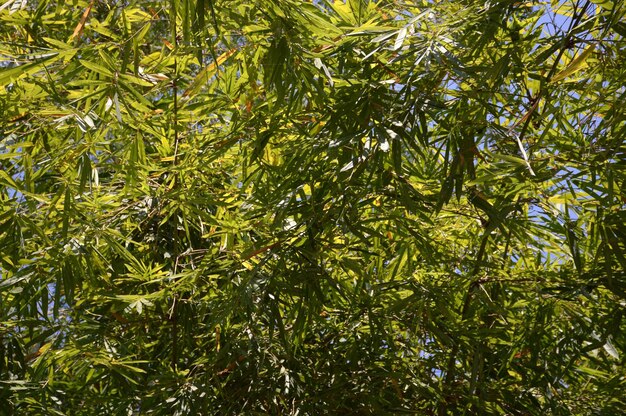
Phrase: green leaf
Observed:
(11, 74)
(96, 68)
(575, 65)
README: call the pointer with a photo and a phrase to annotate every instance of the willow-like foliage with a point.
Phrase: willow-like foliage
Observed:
(308, 208)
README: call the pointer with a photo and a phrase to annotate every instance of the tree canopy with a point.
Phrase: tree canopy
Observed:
(306, 208)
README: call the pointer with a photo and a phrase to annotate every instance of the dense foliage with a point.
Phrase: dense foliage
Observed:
(291, 207)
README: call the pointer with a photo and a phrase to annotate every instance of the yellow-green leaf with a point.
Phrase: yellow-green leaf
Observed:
(574, 66)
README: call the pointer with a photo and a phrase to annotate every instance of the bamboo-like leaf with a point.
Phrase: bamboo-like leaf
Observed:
(207, 73)
(400, 38)
(305, 254)
(81, 24)
(97, 68)
(575, 65)
(8, 75)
